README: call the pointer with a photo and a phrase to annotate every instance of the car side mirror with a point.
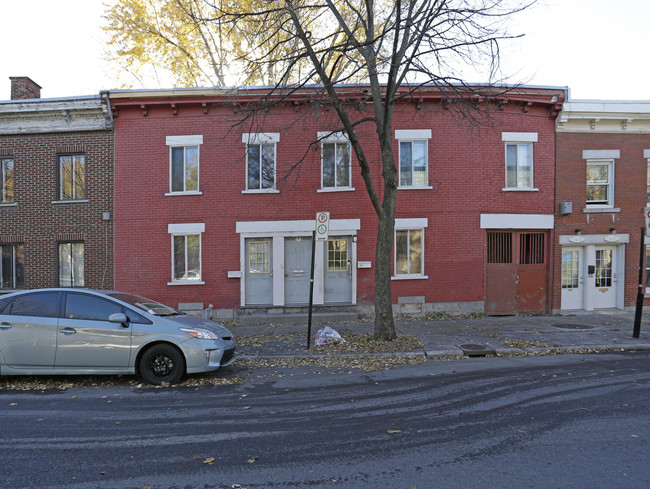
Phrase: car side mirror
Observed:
(118, 317)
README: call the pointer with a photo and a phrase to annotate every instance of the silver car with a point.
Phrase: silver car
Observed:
(81, 331)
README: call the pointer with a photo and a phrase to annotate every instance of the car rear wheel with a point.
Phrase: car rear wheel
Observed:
(162, 363)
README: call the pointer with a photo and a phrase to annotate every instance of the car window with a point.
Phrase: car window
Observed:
(134, 317)
(41, 304)
(85, 306)
(3, 303)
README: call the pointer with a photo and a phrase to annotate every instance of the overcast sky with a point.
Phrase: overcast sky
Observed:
(598, 48)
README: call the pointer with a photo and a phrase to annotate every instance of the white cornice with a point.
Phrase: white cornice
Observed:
(605, 116)
(38, 116)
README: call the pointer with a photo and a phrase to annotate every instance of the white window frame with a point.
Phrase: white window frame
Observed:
(520, 139)
(335, 138)
(610, 184)
(184, 142)
(261, 139)
(412, 136)
(414, 224)
(189, 229)
(646, 155)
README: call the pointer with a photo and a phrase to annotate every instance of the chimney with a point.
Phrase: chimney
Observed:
(23, 87)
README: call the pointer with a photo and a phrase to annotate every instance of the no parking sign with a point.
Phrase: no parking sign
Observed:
(322, 226)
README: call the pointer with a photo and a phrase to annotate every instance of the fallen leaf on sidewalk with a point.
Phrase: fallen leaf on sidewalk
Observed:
(253, 459)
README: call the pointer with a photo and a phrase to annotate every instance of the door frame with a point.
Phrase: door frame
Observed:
(277, 231)
(589, 242)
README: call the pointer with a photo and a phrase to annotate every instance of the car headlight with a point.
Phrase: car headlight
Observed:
(200, 333)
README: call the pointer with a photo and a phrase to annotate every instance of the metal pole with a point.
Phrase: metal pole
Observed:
(311, 287)
(639, 295)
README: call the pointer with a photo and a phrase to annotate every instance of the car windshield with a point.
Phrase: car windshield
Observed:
(147, 305)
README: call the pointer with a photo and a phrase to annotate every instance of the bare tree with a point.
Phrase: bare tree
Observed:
(393, 48)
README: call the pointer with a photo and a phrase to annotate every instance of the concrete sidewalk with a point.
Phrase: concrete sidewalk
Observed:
(509, 335)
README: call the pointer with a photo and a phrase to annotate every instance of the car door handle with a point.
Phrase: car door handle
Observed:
(68, 331)
(5, 325)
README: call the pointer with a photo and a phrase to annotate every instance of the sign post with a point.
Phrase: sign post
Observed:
(639, 296)
(320, 233)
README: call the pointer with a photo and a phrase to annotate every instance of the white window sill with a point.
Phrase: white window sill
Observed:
(409, 187)
(335, 189)
(77, 201)
(187, 282)
(600, 208)
(170, 194)
(515, 189)
(409, 277)
(265, 191)
(9, 204)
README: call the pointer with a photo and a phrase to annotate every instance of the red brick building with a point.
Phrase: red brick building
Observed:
(214, 209)
(603, 150)
(56, 190)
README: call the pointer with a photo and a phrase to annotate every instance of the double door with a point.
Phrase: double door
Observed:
(516, 272)
(589, 277)
(282, 277)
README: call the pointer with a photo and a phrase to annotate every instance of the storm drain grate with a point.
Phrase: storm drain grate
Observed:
(474, 350)
(572, 326)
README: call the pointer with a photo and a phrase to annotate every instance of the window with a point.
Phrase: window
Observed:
(260, 161)
(184, 164)
(337, 255)
(259, 256)
(71, 264)
(83, 306)
(570, 271)
(413, 158)
(600, 178)
(12, 274)
(6, 180)
(409, 248)
(186, 253)
(39, 304)
(72, 178)
(647, 269)
(335, 161)
(519, 159)
(648, 187)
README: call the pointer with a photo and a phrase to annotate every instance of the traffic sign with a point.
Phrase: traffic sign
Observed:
(646, 211)
(322, 226)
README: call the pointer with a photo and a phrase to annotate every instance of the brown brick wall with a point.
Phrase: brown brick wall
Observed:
(39, 223)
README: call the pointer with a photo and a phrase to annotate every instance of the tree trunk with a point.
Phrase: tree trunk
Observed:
(384, 324)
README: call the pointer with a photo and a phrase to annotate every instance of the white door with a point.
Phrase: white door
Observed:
(572, 278)
(338, 271)
(604, 278)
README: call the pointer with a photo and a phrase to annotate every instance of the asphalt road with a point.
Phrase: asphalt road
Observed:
(577, 421)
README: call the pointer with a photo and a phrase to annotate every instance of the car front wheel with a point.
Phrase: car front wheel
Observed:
(162, 363)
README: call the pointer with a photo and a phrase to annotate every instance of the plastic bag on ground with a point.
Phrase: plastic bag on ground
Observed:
(328, 336)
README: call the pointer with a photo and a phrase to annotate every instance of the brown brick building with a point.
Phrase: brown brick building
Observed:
(56, 193)
(602, 156)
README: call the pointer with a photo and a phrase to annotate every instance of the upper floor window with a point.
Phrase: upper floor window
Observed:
(600, 178)
(600, 183)
(413, 158)
(519, 159)
(186, 253)
(6, 180)
(335, 161)
(72, 177)
(71, 264)
(646, 154)
(184, 164)
(12, 275)
(260, 161)
(409, 248)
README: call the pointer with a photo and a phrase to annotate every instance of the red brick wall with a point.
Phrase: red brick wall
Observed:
(466, 171)
(629, 196)
(40, 224)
